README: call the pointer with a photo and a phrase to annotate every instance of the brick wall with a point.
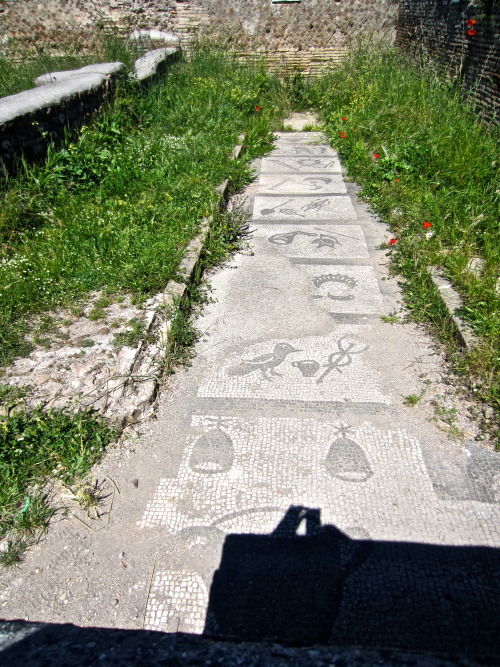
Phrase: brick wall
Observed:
(439, 29)
(304, 34)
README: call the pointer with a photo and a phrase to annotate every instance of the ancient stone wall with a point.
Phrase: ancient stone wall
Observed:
(301, 33)
(462, 39)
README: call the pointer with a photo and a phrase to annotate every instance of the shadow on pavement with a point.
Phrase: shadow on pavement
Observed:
(322, 586)
(303, 584)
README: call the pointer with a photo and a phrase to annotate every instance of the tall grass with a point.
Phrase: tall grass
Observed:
(422, 155)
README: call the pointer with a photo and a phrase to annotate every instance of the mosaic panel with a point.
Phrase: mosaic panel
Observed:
(307, 369)
(277, 462)
(302, 184)
(316, 165)
(318, 241)
(303, 150)
(319, 207)
(344, 289)
(307, 138)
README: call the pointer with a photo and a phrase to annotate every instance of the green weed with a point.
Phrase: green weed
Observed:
(392, 318)
(14, 552)
(411, 399)
(134, 333)
(37, 446)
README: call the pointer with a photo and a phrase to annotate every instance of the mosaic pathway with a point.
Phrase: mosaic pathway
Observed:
(304, 504)
(284, 490)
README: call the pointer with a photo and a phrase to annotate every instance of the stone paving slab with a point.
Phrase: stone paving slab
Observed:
(293, 207)
(298, 184)
(290, 149)
(325, 369)
(306, 138)
(306, 165)
(318, 241)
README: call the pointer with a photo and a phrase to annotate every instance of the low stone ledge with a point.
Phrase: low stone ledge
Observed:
(106, 69)
(53, 94)
(35, 118)
(153, 63)
(453, 302)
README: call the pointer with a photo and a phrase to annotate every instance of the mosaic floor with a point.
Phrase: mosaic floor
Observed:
(304, 505)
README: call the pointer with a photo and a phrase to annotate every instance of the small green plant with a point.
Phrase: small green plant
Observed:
(89, 497)
(411, 399)
(392, 318)
(133, 334)
(35, 514)
(88, 342)
(446, 415)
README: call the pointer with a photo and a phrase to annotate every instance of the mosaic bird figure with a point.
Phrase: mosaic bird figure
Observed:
(265, 363)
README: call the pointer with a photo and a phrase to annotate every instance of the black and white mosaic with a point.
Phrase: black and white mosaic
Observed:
(345, 289)
(319, 207)
(307, 369)
(302, 184)
(306, 165)
(285, 149)
(318, 241)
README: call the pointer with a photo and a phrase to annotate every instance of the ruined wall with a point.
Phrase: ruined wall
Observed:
(460, 38)
(303, 33)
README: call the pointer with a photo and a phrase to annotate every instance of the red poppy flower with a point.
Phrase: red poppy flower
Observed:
(471, 32)
(392, 241)
(344, 117)
(471, 22)
(376, 155)
(427, 225)
(396, 180)
(258, 109)
(343, 135)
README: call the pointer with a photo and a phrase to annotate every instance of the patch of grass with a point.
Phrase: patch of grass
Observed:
(182, 336)
(37, 446)
(411, 399)
(133, 334)
(96, 313)
(392, 318)
(115, 208)
(14, 551)
(35, 515)
(430, 168)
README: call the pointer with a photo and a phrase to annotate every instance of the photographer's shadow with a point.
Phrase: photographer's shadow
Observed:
(286, 585)
(309, 583)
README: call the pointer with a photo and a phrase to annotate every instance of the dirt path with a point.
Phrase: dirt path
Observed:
(287, 460)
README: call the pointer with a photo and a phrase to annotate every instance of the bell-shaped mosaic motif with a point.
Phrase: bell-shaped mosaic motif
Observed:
(213, 453)
(347, 461)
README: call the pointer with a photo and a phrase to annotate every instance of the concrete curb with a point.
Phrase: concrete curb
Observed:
(137, 398)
